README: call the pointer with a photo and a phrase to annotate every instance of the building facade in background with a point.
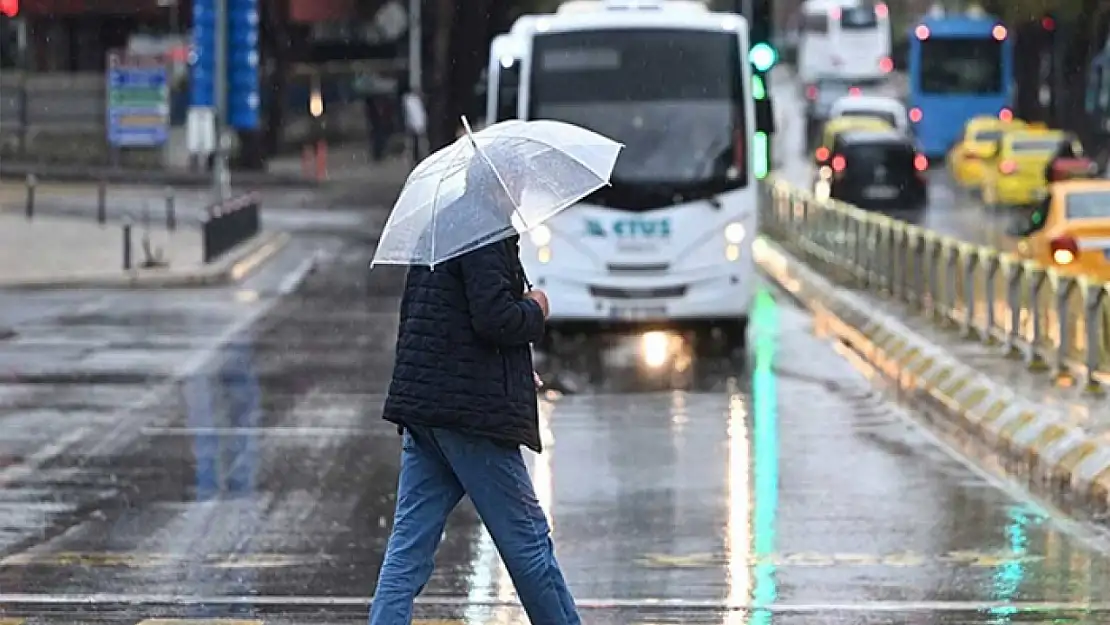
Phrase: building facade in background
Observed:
(76, 35)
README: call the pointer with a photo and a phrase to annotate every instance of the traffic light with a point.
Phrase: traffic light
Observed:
(763, 54)
(9, 8)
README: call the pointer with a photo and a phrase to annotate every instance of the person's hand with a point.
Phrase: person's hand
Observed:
(540, 298)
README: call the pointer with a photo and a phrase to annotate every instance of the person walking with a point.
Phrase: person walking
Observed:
(463, 395)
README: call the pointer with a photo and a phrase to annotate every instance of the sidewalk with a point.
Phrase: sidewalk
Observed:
(353, 180)
(346, 163)
(65, 253)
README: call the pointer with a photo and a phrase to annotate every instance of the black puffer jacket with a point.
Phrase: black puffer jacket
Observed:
(464, 360)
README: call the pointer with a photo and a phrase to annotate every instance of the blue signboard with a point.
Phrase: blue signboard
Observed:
(243, 100)
(242, 64)
(202, 56)
(138, 106)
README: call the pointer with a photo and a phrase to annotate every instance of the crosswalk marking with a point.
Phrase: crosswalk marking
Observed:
(972, 559)
(158, 560)
(201, 621)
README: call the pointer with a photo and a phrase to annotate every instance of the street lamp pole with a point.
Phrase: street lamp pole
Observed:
(221, 184)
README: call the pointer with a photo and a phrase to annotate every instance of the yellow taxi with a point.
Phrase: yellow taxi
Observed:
(837, 125)
(1014, 173)
(1070, 230)
(965, 160)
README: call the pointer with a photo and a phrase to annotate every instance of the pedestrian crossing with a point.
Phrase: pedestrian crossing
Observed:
(54, 620)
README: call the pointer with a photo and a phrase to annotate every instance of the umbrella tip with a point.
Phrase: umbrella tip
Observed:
(469, 132)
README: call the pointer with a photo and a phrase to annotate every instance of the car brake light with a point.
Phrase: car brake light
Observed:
(920, 163)
(916, 115)
(1065, 249)
(1007, 168)
(822, 154)
(811, 92)
(854, 91)
(839, 163)
(1006, 115)
(886, 65)
(881, 10)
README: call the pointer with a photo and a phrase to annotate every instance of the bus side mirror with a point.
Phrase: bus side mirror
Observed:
(765, 116)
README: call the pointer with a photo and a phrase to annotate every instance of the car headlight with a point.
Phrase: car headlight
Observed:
(540, 235)
(735, 233)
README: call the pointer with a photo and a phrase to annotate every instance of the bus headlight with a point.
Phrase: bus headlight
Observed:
(735, 233)
(544, 255)
(540, 235)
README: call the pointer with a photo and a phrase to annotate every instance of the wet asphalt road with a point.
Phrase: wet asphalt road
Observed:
(219, 454)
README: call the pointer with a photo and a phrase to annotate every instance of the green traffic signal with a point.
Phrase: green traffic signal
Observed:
(763, 57)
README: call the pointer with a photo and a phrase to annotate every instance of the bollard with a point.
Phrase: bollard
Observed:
(127, 246)
(32, 182)
(102, 202)
(171, 212)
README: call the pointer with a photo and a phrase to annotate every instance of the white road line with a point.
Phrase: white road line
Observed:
(317, 601)
(265, 431)
(293, 281)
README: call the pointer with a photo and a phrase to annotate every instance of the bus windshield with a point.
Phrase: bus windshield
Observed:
(859, 18)
(671, 96)
(961, 66)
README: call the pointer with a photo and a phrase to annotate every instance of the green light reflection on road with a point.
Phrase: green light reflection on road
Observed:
(1007, 579)
(765, 453)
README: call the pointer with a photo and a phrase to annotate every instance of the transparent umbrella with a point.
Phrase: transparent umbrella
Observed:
(489, 185)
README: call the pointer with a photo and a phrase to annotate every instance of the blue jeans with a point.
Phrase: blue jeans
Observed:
(437, 468)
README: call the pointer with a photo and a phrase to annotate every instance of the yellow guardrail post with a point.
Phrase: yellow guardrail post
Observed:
(915, 294)
(1014, 277)
(930, 252)
(1097, 318)
(898, 260)
(1036, 276)
(1062, 292)
(991, 265)
(949, 259)
(969, 257)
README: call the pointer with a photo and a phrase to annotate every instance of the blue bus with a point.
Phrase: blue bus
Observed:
(959, 67)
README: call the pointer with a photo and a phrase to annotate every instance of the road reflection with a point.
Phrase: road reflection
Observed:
(223, 411)
(765, 455)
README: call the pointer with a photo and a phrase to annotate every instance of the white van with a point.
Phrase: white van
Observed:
(847, 39)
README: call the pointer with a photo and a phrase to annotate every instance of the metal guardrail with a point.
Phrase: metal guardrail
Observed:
(1053, 320)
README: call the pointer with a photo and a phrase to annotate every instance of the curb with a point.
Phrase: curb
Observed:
(1037, 442)
(238, 264)
(185, 179)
